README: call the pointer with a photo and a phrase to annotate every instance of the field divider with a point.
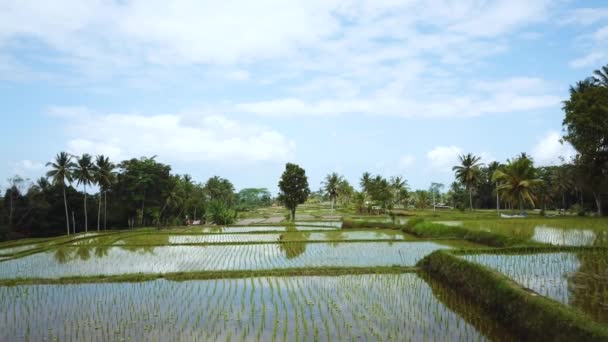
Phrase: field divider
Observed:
(531, 316)
(523, 250)
(207, 275)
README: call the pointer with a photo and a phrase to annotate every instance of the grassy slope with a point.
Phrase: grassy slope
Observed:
(531, 316)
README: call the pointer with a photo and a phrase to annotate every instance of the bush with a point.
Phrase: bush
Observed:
(420, 228)
(219, 213)
(352, 224)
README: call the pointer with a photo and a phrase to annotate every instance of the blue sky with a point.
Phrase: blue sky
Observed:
(238, 88)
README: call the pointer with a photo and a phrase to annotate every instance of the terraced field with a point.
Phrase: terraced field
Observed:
(366, 307)
(310, 281)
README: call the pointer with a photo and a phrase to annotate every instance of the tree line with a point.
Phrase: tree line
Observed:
(144, 192)
(132, 193)
(579, 185)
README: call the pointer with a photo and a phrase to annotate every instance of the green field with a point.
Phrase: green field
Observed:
(309, 281)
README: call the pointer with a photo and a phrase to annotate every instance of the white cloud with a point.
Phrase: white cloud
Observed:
(406, 162)
(601, 34)
(27, 165)
(550, 151)
(187, 137)
(586, 16)
(479, 98)
(590, 59)
(443, 158)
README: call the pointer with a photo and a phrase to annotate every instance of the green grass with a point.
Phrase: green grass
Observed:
(532, 317)
(202, 275)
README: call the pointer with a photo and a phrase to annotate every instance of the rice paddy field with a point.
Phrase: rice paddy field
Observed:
(265, 281)
(576, 279)
(365, 307)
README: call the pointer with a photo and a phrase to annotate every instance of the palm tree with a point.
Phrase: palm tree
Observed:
(84, 175)
(174, 197)
(61, 172)
(581, 86)
(517, 181)
(103, 174)
(399, 184)
(467, 173)
(365, 181)
(601, 76)
(562, 182)
(345, 192)
(330, 186)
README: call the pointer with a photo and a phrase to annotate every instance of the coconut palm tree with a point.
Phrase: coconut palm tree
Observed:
(365, 181)
(398, 184)
(601, 76)
(517, 180)
(103, 174)
(83, 173)
(61, 172)
(330, 186)
(468, 173)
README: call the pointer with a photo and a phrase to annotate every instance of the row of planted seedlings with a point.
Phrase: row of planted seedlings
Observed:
(370, 307)
(109, 260)
(294, 251)
(539, 276)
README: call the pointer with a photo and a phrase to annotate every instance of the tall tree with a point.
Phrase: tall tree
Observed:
(467, 173)
(399, 186)
(517, 181)
(586, 128)
(293, 187)
(600, 77)
(330, 187)
(365, 182)
(14, 191)
(84, 174)
(61, 172)
(103, 173)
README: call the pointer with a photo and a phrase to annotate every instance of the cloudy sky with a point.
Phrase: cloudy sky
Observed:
(238, 88)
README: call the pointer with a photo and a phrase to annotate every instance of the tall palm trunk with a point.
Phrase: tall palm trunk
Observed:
(86, 225)
(143, 201)
(99, 212)
(67, 217)
(105, 209)
(598, 203)
(471, 198)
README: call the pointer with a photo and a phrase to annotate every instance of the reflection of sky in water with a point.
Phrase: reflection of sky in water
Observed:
(450, 223)
(117, 260)
(335, 224)
(564, 237)
(257, 229)
(313, 236)
(545, 273)
(400, 307)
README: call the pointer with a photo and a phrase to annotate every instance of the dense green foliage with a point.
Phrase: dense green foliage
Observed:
(133, 193)
(293, 187)
(586, 125)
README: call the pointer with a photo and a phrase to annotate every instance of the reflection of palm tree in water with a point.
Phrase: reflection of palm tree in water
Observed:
(588, 287)
(145, 243)
(293, 242)
(335, 236)
(62, 255)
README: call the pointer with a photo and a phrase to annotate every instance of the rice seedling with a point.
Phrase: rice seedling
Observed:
(384, 307)
(84, 261)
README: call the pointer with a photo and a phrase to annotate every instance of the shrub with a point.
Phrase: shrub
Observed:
(423, 229)
(220, 213)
